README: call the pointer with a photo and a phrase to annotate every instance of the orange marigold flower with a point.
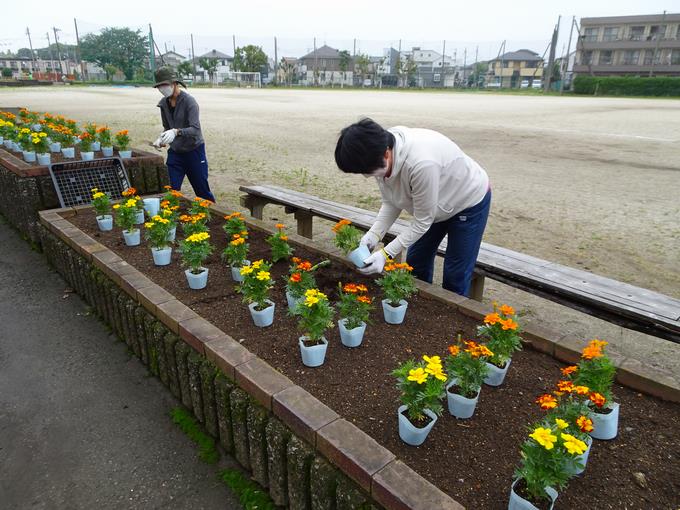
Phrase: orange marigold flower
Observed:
(350, 288)
(198, 199)
(584, 423)
(362, 288)
(547, 401)
(581, 390)
(283, 237)
(492, 319)
(304, 266)
(165, 204)
(280, 226)
(205, 203)
(129, 192)
(365, 299)
(454, 350)
(296, 260)
(167, 186)
(591, 352)
(598, 343)
(507, 310)
(569, 370)
(508, 324)
(340, 224)
(597, 399)
(295, 277)
(566, 386)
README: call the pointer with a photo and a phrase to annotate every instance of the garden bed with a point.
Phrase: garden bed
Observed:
(471, 460)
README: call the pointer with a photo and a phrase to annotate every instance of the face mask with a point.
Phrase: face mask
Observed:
(166, 90)
(379, 172)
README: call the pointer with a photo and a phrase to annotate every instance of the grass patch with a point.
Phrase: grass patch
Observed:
(249, 493)
(206, 444)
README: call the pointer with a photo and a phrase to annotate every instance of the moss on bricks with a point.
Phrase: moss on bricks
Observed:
(122, 303)
(130, 307)
(206, 444)
(169, 342)
(239, 425)
(250, 494)
(223, 389)
(207, 372)
(322, 481)
(114, 294)
(299, 456)
(277, 436)
(181, 352)
(140, 316)
(194, 361)
(159, 332)
(348, 496)
(257, 417)
(149, 326)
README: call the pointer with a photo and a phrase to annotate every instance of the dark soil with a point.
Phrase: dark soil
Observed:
(471, 460)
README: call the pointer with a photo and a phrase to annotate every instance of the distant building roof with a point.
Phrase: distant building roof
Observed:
(172, 54)
(323, 52)
(525, 55)
(216, 54)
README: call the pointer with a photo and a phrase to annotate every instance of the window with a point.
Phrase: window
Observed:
(506, 64)
(606, 57)
(636, 33)
(436, 78)
(675, 58)
(591, 34)
(657, 32)
(587, 58)
(531, 65)
(649, 57)
(611, 34)
(631, 57)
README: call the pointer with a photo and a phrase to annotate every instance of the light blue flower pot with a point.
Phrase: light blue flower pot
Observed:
(105, 223)
(496, 376)
(171, 235)
(139, 218)
(8, 143)
(292, 301)
(107, 152)
(29, 156)
(358, 256)
(161, 256)
(96, 146)
(409, 433)
(43, 158)
(582, 459)
(55, 147)
(236, 271)
(152, 206)
(262, 318)
(517, 502)
(460, 406)
(197, 281)
(606, 426)
(315, 355)
(131, 238)
(351, 337)
(394, 315)
(68, 152)
(87, 156)
(125, 154)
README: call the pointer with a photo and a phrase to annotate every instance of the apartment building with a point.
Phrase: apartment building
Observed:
(629, 45)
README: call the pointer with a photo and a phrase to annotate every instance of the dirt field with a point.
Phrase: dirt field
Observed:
(587, 182)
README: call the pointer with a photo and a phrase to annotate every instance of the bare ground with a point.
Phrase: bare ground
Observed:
(587, 182)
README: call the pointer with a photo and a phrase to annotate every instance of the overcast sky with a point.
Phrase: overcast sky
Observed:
(374, 23)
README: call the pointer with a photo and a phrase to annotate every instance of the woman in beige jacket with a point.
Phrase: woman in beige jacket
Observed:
(428, 175)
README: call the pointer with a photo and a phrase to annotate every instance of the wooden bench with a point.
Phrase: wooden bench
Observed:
(617, 302)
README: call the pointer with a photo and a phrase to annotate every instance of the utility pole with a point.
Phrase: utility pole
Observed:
(316, 63)
(464, 66)
(152, 51)
(56, 41)
(30, 44)
(276, 62)
(49, 47)
(79, 55)
(441, 77)
(233, 41)
(551, 56)
(656, 47)
(399, 64)
(166, 47)
(566, 67)
(193, 56)
(475, 68)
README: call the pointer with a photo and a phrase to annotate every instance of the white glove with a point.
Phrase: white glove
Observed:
(370, 239)
(168, 136)
(158, 142)
(374, 264)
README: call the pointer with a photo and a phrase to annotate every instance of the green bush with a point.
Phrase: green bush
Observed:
(626, 86)
(6, 72)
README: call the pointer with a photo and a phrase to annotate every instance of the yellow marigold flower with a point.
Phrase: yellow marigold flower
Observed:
(237, 242)
(581, 390)
(311, 301)
(116, 206)
(598, 343)
(94, 190)
(263, 275)
(98, 194)
(148, 225)
(257, 264)
(573, 445)
(198, 237)
(561, 424)
(131, 203)
(418, 375)
(544, 437)
(245, 270)
(436, 371)
(434, 360)
(283, 237)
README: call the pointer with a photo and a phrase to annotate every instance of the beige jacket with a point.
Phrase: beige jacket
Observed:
(432, 179)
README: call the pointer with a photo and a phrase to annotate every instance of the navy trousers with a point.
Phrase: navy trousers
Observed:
(465, 231)
(193, 164)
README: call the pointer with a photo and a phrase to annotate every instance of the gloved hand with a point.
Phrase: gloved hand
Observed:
(370, 240)
(168, 136)
(374, 264)
(158, 142)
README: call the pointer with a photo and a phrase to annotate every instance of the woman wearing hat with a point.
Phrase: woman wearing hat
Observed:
(186, 152)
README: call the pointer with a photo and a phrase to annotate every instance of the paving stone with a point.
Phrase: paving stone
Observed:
(261, 381)
(227, 354)
(302, 412)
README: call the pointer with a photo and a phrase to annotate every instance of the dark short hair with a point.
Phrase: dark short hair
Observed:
(361, 147)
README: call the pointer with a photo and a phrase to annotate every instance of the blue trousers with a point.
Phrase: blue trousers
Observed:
(193, 164)
(465, 231)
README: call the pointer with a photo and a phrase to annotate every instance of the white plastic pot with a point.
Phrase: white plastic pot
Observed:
(517, 502)
(409, 433)
(314, 355)
(29, 156)
(394, 314)
(68, 152)
(87, 156)
(496, 376)
(460, 406)
(197, 281)
(131, 238)
(125, 154)
(105, 223)
(262, 318)
(351, 337)
(358, 256)
(606, 426)
(107, 152)
(43, 158)
(161, 256)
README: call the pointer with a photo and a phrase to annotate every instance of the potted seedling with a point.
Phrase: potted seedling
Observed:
(466, 367)
(235, 254)
(105, 141)
(86, 141)
(126, 218)
(502, 332)
(347, 238)
(315, 315)
(195, 249)
(157, 231)
(300, 278)
(102, 207)
(123, 144)
(397, 284)
(91, 129)
(281, 250)
(255, 287)
(354, 308)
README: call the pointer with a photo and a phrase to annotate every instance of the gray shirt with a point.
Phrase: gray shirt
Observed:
(184, 117)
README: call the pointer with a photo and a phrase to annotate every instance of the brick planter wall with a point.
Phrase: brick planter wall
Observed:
(304, 453)
(26, 189)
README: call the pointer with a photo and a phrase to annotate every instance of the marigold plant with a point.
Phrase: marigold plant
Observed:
(355, 304)
(549, 458)
(86, 140)
(236, 251)
(502, 332)
(195, 250)
(91, 129)
(300, 276)
(193, 223)
(466, 363)
(422, 386)
(279, 242)
(200, 206)
(126, 213)
(595, 370)
(397, 282)
(101, 202)
(122, 140)
(235, 223)
(256, 284)
(172, 197)
(315, 315)
(157, 231)
(104, 136)
(347, 236)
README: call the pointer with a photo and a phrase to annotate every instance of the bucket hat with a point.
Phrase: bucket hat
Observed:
(167, 76)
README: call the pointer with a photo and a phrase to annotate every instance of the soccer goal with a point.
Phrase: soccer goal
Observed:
(243, 79)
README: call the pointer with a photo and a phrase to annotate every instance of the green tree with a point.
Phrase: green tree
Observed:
(110, 70)
(6, 72)
(250, 59)
(24, 53)
(345, 60)
(288, 70)
(362, 62)
(185, 68)
(407, 69)
(124, 48)
(209, 65)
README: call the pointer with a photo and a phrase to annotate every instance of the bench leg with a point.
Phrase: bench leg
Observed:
(255, 205)
(477, 287)
(305, 223)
